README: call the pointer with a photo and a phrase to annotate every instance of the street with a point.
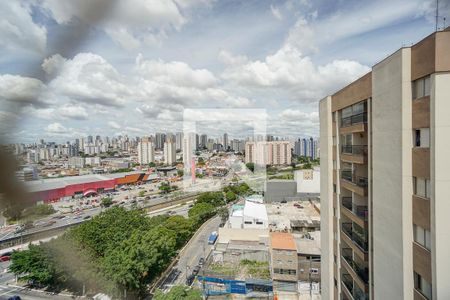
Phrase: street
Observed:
(196, 248)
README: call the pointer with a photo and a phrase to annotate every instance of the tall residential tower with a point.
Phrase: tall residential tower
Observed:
(385, 179)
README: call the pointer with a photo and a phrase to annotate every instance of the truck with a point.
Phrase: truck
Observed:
(212, 237)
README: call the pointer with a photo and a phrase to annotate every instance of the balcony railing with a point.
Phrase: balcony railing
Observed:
(358, 294)
(361, 271)
(347, 280)
(358, 180)
(359, 238)
(354, 149)
(355, 119)
(358, 210)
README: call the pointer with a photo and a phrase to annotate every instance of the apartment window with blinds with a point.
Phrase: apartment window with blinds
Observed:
(423, 286)
(421, 137)
(421, 187)
(422, 236)
(421, 87)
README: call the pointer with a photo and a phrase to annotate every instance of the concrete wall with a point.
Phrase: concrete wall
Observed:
(440, 184)
(392, 177)
(279, 190)
(326, 198)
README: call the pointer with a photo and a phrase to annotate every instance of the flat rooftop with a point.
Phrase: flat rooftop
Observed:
(282, 241)
(282, 215)
(57, 183)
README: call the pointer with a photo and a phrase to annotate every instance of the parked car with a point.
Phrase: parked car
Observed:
(196, 270)
(201, 261)
(190, 280)
(5, 256)
(87, 217)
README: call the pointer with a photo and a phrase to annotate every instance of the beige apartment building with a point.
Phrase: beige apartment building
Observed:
(146, 151)
(385, 179)
(268, 153)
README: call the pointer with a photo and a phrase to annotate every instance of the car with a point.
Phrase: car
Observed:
(87, 217)
(196, 269)
(5, 258)
(147, 198)
(201, 261)
(15, 298)
(283, 201)
(190, 280)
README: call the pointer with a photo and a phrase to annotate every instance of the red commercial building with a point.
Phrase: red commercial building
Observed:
(53, 190)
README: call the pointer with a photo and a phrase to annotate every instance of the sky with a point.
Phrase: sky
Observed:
(113, 67)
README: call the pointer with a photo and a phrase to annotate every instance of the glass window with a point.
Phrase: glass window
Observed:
(421, 187)
(426, 86)
(422, 236)
(421, 87)
(423, 286)
(422, 137)
(347, 112)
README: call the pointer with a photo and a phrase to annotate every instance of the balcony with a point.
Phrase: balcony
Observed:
(360, 118)
(357, 213)
(354, 153)
(357, 184)
(353, 291)
(358, 236)
(347, 281)
(362, 272)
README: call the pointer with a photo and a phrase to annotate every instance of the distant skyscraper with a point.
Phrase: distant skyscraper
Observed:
(225, 141)
(268, 153)
(298, 147)
(146, 151)
(90, 139)
(169, 151)
(203, 141)
(179, 140)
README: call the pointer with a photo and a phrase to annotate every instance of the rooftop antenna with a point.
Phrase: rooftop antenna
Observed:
(437, 14)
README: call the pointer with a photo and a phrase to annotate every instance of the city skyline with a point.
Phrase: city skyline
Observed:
(122, 79)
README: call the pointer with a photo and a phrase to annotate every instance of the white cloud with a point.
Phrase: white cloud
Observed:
(89, 78)
(289, 69)
(21, 90)
(276, 12)
(73, 112)
(114, 125)
(128, 22)
(57, 128)
(17, 29)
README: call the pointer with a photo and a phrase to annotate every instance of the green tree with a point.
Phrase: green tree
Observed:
(201, 212)
(152, 165)
(250, 166)
(223, 213)
(34, 265)
(106, 202)
(141, 193)
(231, 196)
(179, 292)
(134, 262)
(180, 173)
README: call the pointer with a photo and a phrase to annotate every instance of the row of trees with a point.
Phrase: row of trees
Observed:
(119, 251)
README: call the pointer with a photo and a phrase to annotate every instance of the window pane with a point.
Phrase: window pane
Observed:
(426, 288)
(425, 137)
(347, 112)
(420, 187)
(427, 86)
(418, 88)
(419, 235)
(428, 239)
(427, 188)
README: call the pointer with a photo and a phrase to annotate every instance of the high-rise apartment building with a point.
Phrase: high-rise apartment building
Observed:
(179, 140)
(268, 153)
(225, 141)
(169, 151)
(385, 161)
(146, 151)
